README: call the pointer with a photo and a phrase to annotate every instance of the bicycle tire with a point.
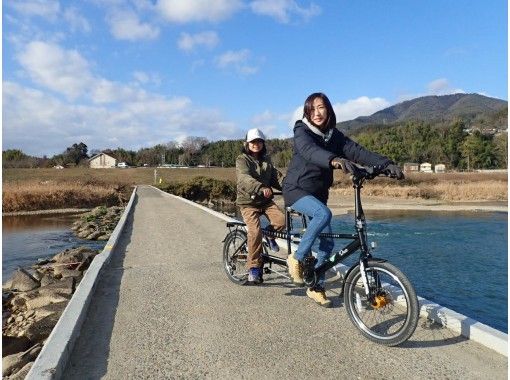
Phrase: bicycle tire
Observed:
(393, 317)
(234, 260)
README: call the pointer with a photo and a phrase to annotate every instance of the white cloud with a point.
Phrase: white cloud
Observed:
(180, 11)
(76, 21)
(188, 42)
(362, 106)
(284, 10)
(270, 122)
(48, 9)
(40, 124)
(441, 86)
(237, 60)
(63, 71)
(142, 77)
(125, 25)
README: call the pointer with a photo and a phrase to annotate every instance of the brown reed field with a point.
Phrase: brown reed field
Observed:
(43, 189)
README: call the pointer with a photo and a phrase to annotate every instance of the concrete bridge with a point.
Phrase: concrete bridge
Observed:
(158, 305)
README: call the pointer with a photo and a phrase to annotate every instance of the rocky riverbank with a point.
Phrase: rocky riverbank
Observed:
(32, 302)
(34, 299)
(98, 224)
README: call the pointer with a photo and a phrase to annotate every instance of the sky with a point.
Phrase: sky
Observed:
(136, 73)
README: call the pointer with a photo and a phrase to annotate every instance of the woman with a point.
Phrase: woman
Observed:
(319, 147)
(255, 177)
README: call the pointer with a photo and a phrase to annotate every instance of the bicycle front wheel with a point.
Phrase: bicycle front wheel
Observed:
(390, 318)
(235, 254)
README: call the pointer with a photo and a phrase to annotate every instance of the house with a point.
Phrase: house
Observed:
(411, 167)
(102, 161)
(426, 167)
(440, 168)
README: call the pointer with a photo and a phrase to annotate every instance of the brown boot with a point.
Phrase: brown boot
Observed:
(295, 270)
(319, 296)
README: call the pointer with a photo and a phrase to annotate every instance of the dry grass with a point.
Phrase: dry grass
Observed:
(39, 189)
(451, 187)
(127, 177)
(46, 195)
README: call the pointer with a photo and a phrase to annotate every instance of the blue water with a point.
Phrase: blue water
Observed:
(458, 260)
(26, 239)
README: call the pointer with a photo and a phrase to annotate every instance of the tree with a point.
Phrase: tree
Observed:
(501, 150)
(13, 155)
(192, 147)
(75, 153)
(477, 152)
(451, 141)
(15, 158)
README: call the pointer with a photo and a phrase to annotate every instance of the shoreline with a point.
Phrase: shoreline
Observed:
(340, 205)
(48, 212)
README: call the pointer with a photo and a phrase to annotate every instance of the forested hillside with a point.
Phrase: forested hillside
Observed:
(473, 110)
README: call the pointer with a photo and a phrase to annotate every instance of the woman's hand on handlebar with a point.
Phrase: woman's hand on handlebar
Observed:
(346, 165)
(393, 171)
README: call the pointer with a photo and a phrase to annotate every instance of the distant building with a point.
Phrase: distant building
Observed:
(411, 167)
(440, 168)
(426, 167)
(102, 161)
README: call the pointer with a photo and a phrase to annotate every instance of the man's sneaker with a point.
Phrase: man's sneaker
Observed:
(273, 245)
(295, 270)
(255, 276)
(318, 295)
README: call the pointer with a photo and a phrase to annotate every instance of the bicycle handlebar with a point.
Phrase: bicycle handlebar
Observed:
(370, 172)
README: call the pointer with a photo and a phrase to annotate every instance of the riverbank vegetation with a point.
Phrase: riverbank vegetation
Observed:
(43, 189)
(34, 195)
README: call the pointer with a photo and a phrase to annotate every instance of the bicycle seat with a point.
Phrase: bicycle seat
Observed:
(235, 223)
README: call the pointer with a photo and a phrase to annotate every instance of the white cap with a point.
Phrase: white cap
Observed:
(254, 134)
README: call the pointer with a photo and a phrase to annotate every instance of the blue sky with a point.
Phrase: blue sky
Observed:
(136, 73)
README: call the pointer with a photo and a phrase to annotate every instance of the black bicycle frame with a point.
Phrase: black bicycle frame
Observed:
(359, 239)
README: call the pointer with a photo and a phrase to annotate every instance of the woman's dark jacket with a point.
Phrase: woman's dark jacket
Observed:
(310, 172)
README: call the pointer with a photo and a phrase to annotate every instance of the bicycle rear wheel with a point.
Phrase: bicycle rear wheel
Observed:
(391, 318)
(235, 254)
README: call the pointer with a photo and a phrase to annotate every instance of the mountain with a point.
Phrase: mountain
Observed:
(432, 109)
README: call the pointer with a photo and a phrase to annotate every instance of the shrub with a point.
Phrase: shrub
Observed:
(203, 189)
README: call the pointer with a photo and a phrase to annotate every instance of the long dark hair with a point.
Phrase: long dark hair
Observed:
(307, 109)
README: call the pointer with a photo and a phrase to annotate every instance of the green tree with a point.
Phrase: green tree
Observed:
(75, 153)
(13, 155)
(451, 141)
(477, 152)
(500, 142)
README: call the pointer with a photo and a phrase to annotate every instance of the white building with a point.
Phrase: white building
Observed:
(426, 167)
(102, 161)
(440, 168)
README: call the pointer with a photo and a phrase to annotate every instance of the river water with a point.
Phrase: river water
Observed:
(25, 239)
(458, 260)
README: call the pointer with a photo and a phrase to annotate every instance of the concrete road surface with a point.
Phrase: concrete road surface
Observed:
(165, 309)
